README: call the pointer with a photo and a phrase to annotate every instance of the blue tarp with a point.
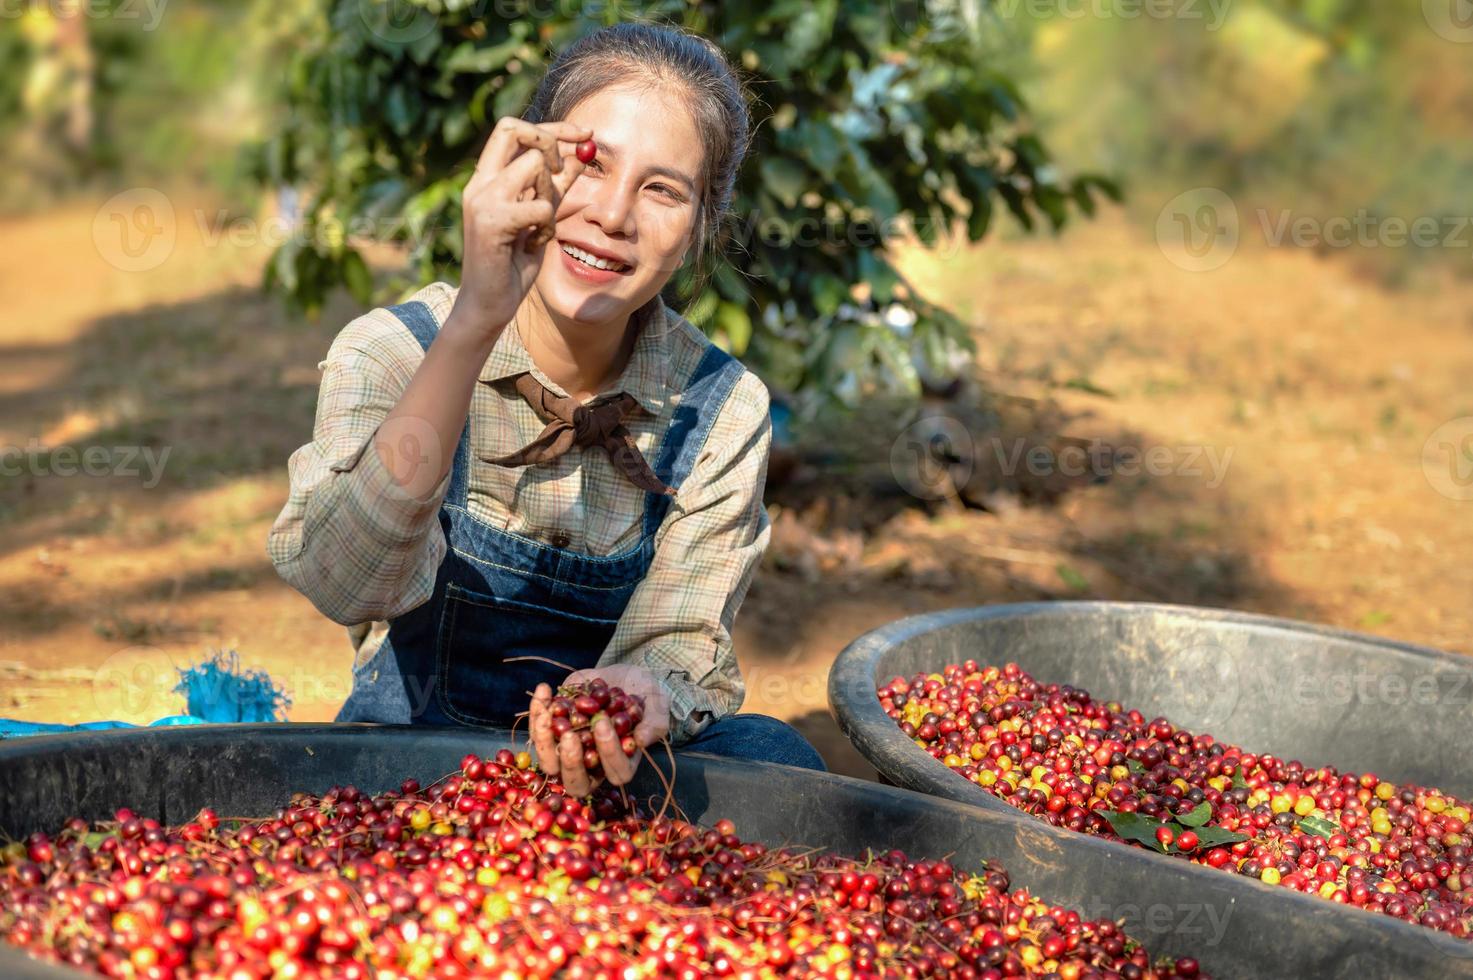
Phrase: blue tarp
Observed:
(216, 690)
(11, 728)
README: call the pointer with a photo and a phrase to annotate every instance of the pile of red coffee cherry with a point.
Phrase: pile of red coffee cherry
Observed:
(496, 871)
(1055, 752)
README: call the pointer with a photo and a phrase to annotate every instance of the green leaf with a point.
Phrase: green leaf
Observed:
(896, 358)
(1197, 817)
(1210, 837)
(424, 45)
(357, 276)
(700, 311)
(512, 99)
(882, 278)
(730, 284)
(1319, 827)
(1088, 386)
(456, 128)
(980, 219)
(469, 59)
(1071, 577)
(94, 838)
(1142, 830)
(1238, 781)
(812, 26)
(828, 292)
(1135, 767)
(785, 178)
(401, 108)
(284, 263)
(1017, 204)
(1134, 826)
(870, 187)
(737, 324)
(820, 145)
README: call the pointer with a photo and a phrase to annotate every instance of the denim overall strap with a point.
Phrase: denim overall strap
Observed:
(710, 385)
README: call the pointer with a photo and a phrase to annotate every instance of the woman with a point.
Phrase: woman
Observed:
(546, 475)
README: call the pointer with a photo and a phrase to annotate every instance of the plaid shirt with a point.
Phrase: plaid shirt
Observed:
(363, 551)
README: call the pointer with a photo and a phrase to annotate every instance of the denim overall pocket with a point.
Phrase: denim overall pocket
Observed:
(492, 652)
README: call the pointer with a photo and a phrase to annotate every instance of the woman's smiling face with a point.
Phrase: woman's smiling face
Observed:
(636, 206)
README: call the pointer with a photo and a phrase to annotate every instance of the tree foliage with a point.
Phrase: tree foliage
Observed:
(875, 120)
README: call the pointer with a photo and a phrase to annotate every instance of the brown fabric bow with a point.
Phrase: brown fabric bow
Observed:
(571, 423)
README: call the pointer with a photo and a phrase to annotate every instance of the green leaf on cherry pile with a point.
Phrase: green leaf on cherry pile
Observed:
(1210, 837)
(1135, 767)
(1319, 826)
(1197, 817)
(1142, 829)
(1134, 826)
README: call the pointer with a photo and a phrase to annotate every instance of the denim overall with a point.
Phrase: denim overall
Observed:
(499, 596)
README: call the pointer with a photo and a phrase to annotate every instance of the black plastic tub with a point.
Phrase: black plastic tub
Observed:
(1175, 909)
(1299, 691)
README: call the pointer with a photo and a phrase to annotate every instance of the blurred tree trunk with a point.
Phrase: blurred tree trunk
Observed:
(74, 51)
(54, 144)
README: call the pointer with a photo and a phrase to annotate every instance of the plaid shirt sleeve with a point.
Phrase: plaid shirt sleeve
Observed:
(679, 620)
(349, 538)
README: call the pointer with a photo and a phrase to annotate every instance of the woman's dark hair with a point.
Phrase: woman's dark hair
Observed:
(634, 53)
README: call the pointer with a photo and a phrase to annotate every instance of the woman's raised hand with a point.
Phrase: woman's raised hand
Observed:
(509, 209)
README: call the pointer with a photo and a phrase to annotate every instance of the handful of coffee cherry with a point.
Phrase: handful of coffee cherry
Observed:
(576, 708)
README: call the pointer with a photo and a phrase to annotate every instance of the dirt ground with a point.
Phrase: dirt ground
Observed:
(1315, 389)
